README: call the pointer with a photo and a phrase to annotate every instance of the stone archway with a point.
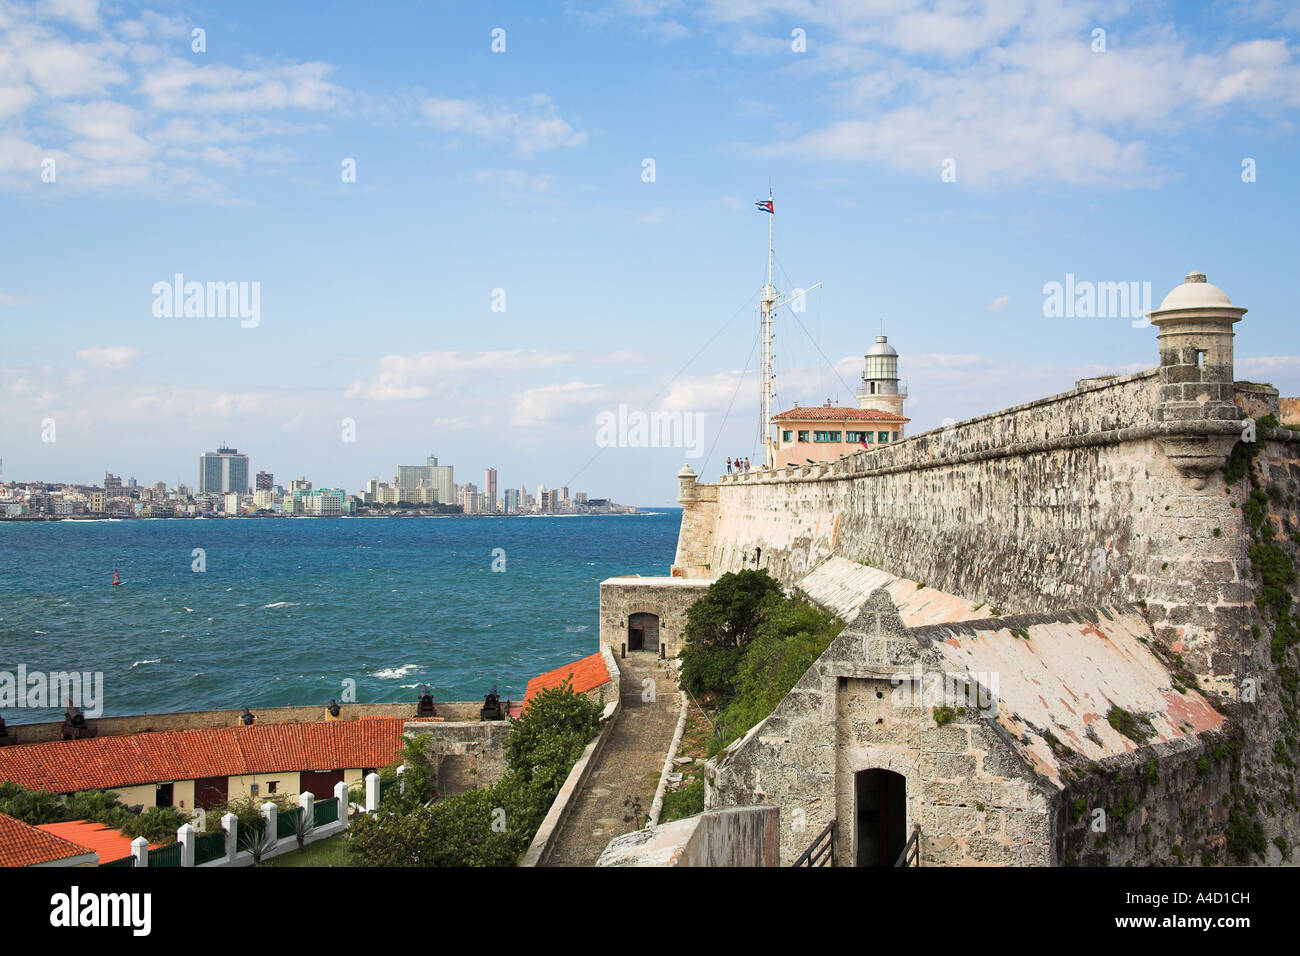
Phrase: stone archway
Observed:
(643, 632)
(879, 817)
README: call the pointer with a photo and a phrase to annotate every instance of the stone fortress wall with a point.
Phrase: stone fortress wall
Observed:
(1110, 495)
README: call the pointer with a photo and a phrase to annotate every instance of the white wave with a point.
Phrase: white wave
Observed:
(393, 673)
(280, 604)
(156, 660)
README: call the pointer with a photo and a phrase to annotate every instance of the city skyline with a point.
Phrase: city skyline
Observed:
(483, 253)
(222, 470)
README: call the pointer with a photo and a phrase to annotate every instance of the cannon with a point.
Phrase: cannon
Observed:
(492, 709)
(425, 706)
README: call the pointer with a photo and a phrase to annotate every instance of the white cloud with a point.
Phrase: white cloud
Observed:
(1011, 90)
(539, 406)
(515, 179)
(112, 357)
(1000, 303)
(92, 91)
(84, 13)
(184, 86)
(410, 377)
(529, 126)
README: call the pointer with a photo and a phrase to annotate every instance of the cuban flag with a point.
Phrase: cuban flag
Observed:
(765, 205)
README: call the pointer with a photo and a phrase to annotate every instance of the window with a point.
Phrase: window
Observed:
(803, 436)
(787, 436)
(826, 436)
(873, 388)
(882, 436)
(894, 436)
(857, 436)
(272, 786)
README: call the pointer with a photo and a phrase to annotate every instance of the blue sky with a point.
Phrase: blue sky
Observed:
(523, 171)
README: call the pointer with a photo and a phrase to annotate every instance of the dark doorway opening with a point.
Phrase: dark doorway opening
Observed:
(643, 632)
(163, 795)
(210, 792)
(881, 817)
(319, 783)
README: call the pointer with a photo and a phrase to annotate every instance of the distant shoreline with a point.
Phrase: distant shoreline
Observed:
(397, 514)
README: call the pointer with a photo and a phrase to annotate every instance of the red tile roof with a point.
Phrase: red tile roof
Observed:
(106, 762)
(23, 845)
(820, 413)
(587, 674)
(110, 844)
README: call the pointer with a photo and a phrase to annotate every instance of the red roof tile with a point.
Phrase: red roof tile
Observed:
(110, 844)
(23, 845)
(820, 413)
(106, 762)
(586, 674)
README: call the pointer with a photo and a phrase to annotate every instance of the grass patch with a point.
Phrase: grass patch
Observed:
(1133, 726)
(686, 802)
(332, 851)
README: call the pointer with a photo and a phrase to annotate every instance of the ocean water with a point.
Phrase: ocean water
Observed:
(288, 609)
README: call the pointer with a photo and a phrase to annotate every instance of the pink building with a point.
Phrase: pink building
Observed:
(829, 432)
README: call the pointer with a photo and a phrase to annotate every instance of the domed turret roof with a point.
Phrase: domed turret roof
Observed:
(882, 347)
(1196, 293)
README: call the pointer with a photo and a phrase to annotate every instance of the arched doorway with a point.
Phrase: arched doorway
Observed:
(880, 816)
(643, 632)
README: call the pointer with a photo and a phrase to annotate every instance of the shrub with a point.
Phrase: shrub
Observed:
(491, 826)
(719, 626)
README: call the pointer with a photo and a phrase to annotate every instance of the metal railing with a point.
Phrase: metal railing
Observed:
(821, 852)
(209, 847)
(121, 861)
(326, 811)
(911, 855)
(286, 822)
(165, 856)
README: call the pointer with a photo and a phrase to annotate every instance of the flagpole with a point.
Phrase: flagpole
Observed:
(769, 296)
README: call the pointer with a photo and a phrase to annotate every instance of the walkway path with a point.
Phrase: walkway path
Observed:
(630, 764)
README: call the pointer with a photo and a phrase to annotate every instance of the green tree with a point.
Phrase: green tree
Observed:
(31, 806)
(719, 626)
(550, 736)
(489, 826)
(789, 638)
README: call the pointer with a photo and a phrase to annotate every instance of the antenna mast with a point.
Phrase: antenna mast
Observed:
(765, 384)
(769, 303)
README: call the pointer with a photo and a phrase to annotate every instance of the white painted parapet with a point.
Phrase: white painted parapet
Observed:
(185, 837)
(230, 823)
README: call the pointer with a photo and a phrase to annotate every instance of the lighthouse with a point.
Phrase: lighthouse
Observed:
(880, 388)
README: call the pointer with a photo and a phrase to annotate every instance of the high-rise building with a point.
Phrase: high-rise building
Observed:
(265, 481)
(113, 487)
(471, 500)
(223, 470)
(440, 478)
(511, 501)
(489, 489)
